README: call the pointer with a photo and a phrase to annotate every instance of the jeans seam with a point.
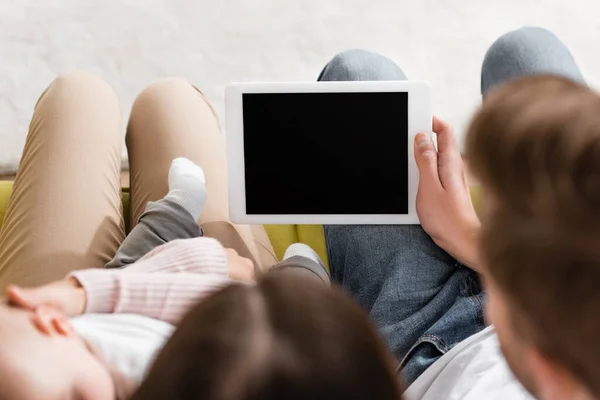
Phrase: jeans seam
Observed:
(441, 347)
(478, 300)
(474, 298)
(465, 286)
(429, 335)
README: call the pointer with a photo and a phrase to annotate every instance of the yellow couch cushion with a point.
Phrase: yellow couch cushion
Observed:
(281, 235)
(5, 190)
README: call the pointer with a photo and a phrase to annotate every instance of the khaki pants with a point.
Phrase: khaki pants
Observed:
(65, 211)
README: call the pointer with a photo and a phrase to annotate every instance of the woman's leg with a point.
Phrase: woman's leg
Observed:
(172, 119)
(65, 209)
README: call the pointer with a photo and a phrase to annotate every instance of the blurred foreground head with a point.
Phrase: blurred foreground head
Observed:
(535, 148)
(283, 338)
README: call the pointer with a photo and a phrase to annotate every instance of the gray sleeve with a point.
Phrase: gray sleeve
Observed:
(161, 222)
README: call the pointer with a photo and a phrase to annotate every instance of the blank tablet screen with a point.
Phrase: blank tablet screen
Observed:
(326, 153)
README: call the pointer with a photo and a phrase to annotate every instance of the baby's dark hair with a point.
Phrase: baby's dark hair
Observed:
(283, 338)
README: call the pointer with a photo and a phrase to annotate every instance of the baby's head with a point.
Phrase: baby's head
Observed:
(284, 338)
(47, 366)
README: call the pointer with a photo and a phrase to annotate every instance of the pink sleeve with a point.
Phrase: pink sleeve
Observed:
(164, 284)
(164, 296)
(198, 255)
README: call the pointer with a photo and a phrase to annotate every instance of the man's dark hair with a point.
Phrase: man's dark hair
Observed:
(283, 338)
(535, 147)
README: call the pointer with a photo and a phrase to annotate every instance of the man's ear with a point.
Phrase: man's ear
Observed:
(554, 382)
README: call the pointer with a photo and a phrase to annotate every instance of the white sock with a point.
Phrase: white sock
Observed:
(187, 186)
(302, 250)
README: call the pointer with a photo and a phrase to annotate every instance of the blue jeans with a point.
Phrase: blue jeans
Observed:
(422, 300)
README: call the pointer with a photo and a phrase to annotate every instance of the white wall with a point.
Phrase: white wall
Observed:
(131, 43)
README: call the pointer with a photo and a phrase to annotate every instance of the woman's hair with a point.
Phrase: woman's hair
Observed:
(283, 338)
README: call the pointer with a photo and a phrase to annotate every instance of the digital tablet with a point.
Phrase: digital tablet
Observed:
(324, 152)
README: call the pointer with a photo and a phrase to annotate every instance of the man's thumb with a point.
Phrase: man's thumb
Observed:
(426, 156)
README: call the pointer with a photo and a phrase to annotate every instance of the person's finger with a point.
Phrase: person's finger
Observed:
(446, 139)
(61, 325)
(42, 319)
(426, 158)
(438, 125)
(42, 325)
(21, 297)
(250, 276)
(245, 269)
(449, 159)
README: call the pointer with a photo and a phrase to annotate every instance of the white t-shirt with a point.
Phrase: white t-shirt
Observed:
(474, 369)
(126, 343)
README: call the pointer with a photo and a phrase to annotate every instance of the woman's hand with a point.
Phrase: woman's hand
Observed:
(66, 296)
(444, 201)
(240, 268)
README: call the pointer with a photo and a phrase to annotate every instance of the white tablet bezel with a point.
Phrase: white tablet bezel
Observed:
(419, 120)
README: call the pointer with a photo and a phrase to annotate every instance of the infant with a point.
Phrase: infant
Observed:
(129, 309)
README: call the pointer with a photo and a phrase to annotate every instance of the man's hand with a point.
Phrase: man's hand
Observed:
(240, 268)
(444, 201)
(66, 296)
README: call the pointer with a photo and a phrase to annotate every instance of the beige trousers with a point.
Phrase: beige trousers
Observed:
(65, 212)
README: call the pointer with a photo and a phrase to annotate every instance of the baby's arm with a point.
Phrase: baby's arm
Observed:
(166, 293)
(150, 287)
(163, 296)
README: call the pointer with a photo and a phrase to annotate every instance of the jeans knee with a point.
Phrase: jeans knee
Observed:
(361, 65)
(353, 62)
(524, 41)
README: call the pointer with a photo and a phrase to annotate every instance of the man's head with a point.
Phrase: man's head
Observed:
(535, 148)
(287, 337)
(55, 365)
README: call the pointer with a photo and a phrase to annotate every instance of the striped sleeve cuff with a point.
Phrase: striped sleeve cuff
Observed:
(101, 288)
